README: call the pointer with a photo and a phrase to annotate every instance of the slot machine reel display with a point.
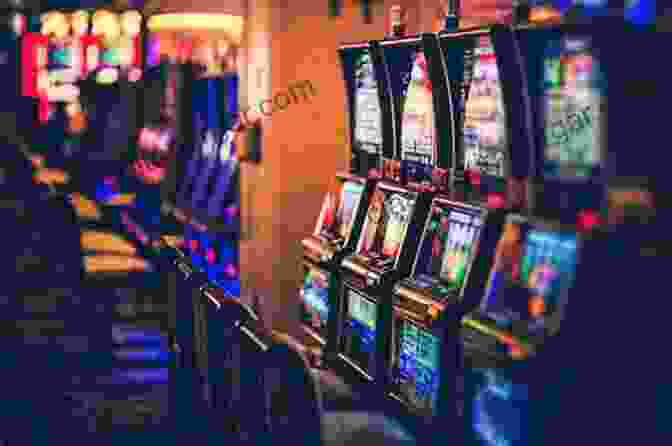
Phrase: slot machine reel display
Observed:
(493, 153)
(447, 280)
(423, 145)
(335, 236)
(585, 162)
(384, 255)
(366, 106)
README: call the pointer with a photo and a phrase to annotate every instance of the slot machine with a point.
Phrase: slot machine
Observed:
(447, 279)
(464, 224)
(342, 215)
(383, 255)
(212, 229)
(493, 154)
(532, 310)
(56, 55)
(416, 158)
(582, 176)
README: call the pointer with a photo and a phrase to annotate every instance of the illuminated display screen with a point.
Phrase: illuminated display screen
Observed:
(447, 247)
(359, 331)
(416, 370)
(532, 271)
(499, 408)
(224, 191)
(186, 187)
(418, 142)
(411, 88)
(340, 226)
(385, 227)
(368, 132)
(210, 137)
(571, 105)
(484, 133)
(315, 304)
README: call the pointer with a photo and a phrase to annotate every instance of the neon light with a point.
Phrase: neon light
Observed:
(210, 256)
(587, 220)
(214, 22)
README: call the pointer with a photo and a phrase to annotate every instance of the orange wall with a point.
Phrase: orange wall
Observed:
(304, 146)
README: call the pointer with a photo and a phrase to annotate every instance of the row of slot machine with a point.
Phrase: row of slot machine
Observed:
(199, 187)
(482, 162)
(74, 72)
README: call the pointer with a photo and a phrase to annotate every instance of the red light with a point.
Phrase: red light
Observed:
(495, 201)
(588, 220)
(232, 211)
(210, 256)
(193, 244)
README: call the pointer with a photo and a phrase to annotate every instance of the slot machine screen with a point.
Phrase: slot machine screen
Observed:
(223, 190)
(368, 119)
(340, 227)
(209, 138)
(418, 132)
(484, 132)
(365, 108)
(416, 370)
(359, 331)
(412, 90)
(448, 247)
(572, 99)
(385, 227)
(315, 308)
(187, 183)
(532, 272)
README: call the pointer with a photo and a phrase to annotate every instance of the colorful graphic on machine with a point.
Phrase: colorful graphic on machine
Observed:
(418, 366)
(572, 111)
(447, 249)
(385, 228)
(315, 298)
(368, 124)
(531, 273)
(484, 139)
(417, 119)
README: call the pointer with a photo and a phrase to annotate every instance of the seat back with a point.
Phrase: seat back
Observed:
(294, 405)
(604, 378)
